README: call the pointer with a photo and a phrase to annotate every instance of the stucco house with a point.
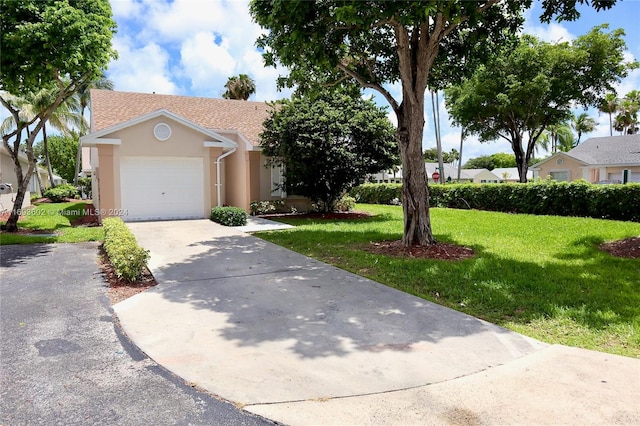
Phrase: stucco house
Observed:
(510, 174)
(8, 176)
(450, 175)
(611, 159)
(175, 157)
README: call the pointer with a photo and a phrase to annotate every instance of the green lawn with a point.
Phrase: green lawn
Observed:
(53, 218)
(542, 276)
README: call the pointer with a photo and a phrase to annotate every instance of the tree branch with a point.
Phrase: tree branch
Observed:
(375, 86)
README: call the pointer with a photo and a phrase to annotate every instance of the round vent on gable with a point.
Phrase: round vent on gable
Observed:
(162, 131)
(559, 161)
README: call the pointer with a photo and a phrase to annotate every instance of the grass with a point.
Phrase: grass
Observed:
(542, 276)
(53, 218)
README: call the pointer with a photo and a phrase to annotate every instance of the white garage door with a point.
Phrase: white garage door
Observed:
(161, 188)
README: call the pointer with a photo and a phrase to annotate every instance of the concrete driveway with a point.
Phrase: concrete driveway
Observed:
(63, 361)
(302, 342)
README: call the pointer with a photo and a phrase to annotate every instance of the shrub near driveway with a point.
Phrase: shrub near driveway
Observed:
(126, 256)
(229, 216)
(542, 276)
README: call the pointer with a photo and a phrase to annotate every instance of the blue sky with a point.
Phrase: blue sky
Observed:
(191, 47)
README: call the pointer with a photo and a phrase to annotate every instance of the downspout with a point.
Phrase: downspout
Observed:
(218, 183)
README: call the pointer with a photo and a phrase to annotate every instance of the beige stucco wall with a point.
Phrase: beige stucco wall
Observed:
(568, 165)
(485, 175)
(635, 171)
(238, 184)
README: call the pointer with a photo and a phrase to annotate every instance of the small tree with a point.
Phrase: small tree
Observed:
(379, 43)
(62, 151)
(328, 142)
(47, 44)
(522, 91)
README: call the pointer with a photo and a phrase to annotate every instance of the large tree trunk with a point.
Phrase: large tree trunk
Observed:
(415, 193)
(23, 182)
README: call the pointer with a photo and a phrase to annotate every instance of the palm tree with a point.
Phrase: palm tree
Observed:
(626, 121)
(609, 105)
(84, 97)
(62, 119)
(239, 87)
(631, 106)
(582, 124)
(559, 135)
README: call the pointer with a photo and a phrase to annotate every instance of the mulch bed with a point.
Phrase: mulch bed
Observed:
(120, 289)
(327, 216)
(629, 247)
(440, 251)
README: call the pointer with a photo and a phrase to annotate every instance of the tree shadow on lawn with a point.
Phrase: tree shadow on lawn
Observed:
(269, 293)
(592, 287)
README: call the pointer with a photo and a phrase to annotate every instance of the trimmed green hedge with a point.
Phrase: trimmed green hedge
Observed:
(618, 202)
(229, 216)
(126, 256)
(61, 192)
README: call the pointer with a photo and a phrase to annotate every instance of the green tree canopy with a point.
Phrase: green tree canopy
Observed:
(490, 162)
(328, 142)
(62, 155)
(431, 155)
(378, 43)
(522, 91)
(47, 44)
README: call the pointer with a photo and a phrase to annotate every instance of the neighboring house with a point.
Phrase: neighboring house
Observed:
(481, 175)
(611, 159)
(8, 176)
(450, 175)
(175, 157)
(510, 174)
(387, 176)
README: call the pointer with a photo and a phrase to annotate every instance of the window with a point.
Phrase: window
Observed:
(562, 176)
(276, 181)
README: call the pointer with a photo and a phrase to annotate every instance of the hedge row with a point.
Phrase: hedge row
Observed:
(618, 202)
(126, 256)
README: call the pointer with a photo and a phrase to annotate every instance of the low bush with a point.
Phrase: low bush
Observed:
(229, 216)
(61, 192)
(546, 197)
(126, 256)
(266, 207)
(345, 204)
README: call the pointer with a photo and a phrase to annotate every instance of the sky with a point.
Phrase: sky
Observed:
(191, 47)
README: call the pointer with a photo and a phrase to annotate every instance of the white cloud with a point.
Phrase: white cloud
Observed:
(206, 63)
(180, 19)
(125, 8)
(142, 69)
(552, 33)
(251, 63)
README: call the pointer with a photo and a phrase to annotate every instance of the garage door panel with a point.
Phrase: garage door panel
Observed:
(162, 187)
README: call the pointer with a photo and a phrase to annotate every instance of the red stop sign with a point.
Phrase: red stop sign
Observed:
(435, 175)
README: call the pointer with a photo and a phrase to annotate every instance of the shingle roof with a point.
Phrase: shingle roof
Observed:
(109, 108)
(609, 150)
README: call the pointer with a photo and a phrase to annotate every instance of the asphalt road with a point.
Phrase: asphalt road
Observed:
(63, 361)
